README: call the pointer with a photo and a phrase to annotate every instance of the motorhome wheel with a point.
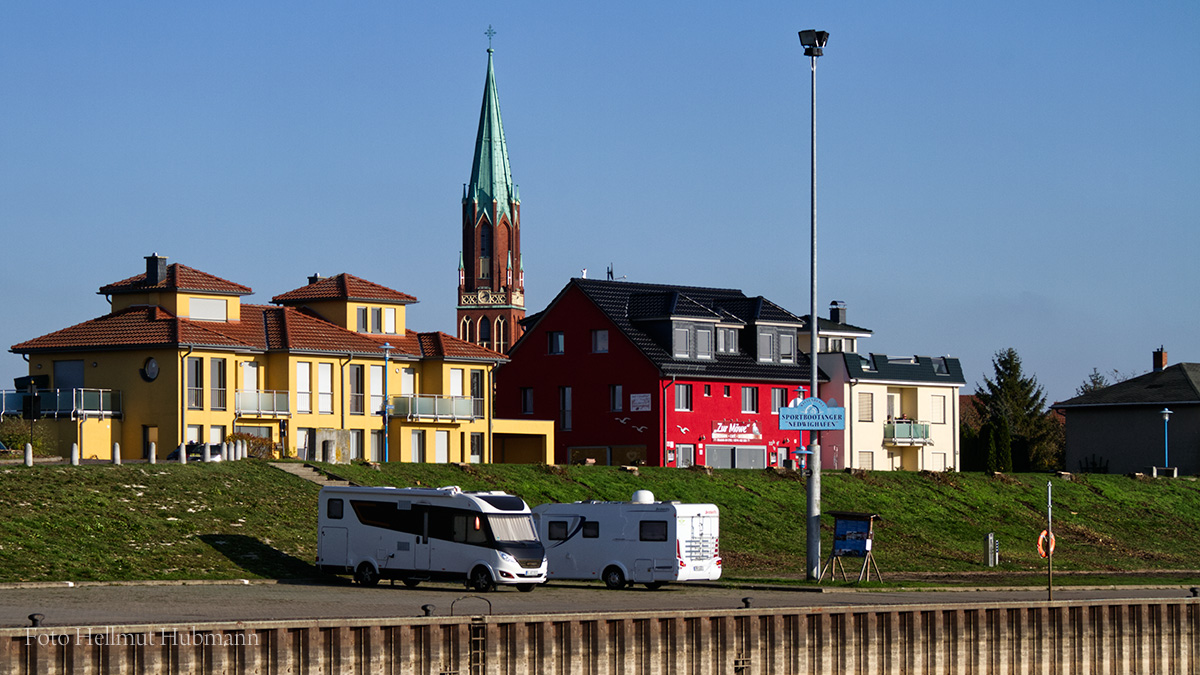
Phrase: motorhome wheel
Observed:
(365, 574)
(614, 578)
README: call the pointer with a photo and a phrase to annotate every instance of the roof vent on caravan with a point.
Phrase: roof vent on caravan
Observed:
(643, 497)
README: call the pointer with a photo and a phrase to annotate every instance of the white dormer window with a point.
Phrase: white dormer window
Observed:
(787, 348)
(704, 343)
(682, 348)
(765, 344)
(207, 309)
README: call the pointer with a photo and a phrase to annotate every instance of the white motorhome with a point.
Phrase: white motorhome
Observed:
(625, 543)
(418, 534)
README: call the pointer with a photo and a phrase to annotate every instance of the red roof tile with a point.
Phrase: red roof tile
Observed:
(443, 346)
(343, 287)
(179, 278)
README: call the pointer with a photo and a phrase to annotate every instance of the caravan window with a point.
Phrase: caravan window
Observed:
(652, 530)
(557, 530)
(333, 509)
(469, 529)
(591, 529)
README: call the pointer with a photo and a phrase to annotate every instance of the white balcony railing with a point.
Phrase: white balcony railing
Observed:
(434, 407)
(262, 403)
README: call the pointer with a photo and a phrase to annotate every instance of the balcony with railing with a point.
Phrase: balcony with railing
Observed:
(261, 403)
(906, 432)
(435, 408)
(69, 403)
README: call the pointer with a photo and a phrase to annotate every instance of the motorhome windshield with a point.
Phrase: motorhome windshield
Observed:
(513, 528)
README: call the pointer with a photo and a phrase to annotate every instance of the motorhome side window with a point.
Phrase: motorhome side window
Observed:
(591, 529)
(333, 509)
(557, 530)
(652, 530)
(469, 529)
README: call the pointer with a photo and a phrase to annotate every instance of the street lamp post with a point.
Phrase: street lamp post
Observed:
(814, 44)
(1166, 413)
(387, 348)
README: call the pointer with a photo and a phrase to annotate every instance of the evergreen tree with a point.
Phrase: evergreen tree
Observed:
(1094, 382)
(1015, 404)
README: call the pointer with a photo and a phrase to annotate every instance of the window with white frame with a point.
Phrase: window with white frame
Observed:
(376, 386)
(765, 343)
(681, 346)
(787, 348)
(749, 399)
(217, 383)
(778, 399)
(683, 396)
(727, 340)
(325, 388)
(304, 387)
(363, 325)
(357, 385)
(376, 319)
(866, 406)
(704, 343)
(408, 382)
(937, 410)
(599, 341)
(456, 381)
(207, 309)
(389, 320)
(195, 385)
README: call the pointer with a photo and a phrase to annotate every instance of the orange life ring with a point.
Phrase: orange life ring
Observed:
(1041, 542)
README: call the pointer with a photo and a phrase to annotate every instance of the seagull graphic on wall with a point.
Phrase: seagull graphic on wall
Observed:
(622, 420)
(683, 429)
(639, 429)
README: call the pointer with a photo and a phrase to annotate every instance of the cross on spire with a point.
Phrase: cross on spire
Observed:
(489, 33)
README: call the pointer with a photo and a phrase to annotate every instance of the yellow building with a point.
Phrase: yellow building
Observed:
(180, 359)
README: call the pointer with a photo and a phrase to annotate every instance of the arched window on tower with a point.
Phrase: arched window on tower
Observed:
(485, 250)
(464, 330)
(501, 335)
(485, 331)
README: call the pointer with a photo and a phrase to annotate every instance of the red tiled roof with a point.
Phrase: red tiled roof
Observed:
(343, 287)
(134, 327)
(443, 346)
(179, 278)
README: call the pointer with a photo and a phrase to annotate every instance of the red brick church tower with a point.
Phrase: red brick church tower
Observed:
(491, 277)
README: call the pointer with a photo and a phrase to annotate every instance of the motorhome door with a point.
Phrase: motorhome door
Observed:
(421, 548)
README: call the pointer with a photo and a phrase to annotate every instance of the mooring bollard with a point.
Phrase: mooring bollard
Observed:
(74, 454)
(28, 454)
(116, 458)
(153, 450)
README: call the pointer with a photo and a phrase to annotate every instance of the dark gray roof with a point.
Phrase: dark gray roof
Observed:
(1179, 383)
(881, 367)
(829, 326)
(628, 304)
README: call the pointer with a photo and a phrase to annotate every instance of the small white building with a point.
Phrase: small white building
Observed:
(901, 411)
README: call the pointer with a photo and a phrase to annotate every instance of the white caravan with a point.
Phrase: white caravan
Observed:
(626, 543)
(418, 534)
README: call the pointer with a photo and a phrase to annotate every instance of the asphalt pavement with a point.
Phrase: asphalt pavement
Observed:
(163, 603)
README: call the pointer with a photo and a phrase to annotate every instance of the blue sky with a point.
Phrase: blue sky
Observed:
(990, 175)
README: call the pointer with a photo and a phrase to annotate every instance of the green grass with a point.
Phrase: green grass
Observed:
(248, 520)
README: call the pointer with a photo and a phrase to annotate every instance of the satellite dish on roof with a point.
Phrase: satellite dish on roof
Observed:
(643, 497)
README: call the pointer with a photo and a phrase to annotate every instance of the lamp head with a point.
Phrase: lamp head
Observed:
(814, 41)
(1166, 413)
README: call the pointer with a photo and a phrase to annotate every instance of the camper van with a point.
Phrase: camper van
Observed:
(419, 534)
(625, 543)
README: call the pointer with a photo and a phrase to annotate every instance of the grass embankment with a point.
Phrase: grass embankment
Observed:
(248, 520)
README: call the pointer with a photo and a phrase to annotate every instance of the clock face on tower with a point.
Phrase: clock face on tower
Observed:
(149, 369)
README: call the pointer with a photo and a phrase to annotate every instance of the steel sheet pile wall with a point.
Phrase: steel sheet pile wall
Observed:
(1157, 636)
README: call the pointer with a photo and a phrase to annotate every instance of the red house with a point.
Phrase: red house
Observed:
(658, 374)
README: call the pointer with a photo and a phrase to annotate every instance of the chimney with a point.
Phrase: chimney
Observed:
(315, 278)
(837, 311)
(1160, 359)
(156, 269)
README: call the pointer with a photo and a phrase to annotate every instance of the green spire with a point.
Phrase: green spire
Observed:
(490, 176)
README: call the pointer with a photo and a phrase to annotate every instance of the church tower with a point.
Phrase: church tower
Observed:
(491, 276)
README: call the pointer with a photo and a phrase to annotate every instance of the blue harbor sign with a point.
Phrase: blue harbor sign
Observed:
(811, 414)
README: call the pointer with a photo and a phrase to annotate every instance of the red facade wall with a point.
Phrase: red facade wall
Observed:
(590, 375)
